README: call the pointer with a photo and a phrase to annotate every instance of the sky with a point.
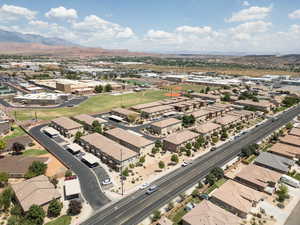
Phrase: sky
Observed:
(252, 26)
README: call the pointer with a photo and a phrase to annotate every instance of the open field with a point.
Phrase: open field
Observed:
(95, 104)
(16, 132)
(186, 87)
(35, 152)
(229, 71)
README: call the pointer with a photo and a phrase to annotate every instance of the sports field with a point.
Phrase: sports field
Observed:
(95, 104)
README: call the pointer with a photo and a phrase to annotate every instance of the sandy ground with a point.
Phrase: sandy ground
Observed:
(55, 167)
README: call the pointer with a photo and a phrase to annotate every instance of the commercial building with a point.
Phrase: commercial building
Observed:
(207, 213)
(66, 126)
(87, 120)
(166, 126)
(43, 98)
(208, 128)
(236, 198)
(130, 140)
(125, 114)
(285, 150)
(274, 162)
(157, 111)
(110, 152)
(258, 177)
(173, 142)
(265, 106)
(35, 191)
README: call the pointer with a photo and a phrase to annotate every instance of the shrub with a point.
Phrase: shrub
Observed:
(75, 207)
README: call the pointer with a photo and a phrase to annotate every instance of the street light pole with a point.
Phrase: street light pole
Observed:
(121, 175)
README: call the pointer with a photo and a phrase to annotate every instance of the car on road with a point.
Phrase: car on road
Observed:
(184, 164)
(106, 181)
(213, 149)
(144, 186)
(70, 105)
(152, 189)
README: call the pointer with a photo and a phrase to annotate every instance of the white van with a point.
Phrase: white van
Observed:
(290, 181)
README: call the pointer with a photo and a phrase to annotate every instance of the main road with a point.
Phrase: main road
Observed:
(136, 207)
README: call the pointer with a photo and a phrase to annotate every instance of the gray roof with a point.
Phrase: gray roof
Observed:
(274, 161)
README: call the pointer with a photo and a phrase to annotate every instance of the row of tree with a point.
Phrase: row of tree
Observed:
(100, 88)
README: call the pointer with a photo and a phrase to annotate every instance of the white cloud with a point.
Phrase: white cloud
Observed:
(252, 27)
(295, 14)
(159, 34)
(62, 13)
(11, 13)
(194, 30)
(252, 13)
(246, 3)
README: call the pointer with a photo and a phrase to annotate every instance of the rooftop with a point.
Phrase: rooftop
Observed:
(207, 127)
(158, 109)
(207, 213)
(146, 105)
(201, 112)
(295, 132)
(291, 140)
(124, 111)
(181, 137)
(166, 122)
(252, 103)
(225, 120)
(67, 123)
(287, 150)
(88, 119)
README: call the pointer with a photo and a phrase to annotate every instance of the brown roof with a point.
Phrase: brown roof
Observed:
(18, 164)
(181, 137)
(125, 112)
(158, 109)
(295, 132)
(237, 195)
(67, 123)
(109, 147)
(206, 213)
(201, 112)
(252, 103)
(129, 137)
(207, 127)
(205, 96)
(291, 140)
(37, 190)
(287, 150)
(85, 118)
(146, 105)
(240, 113)
(259, 175)
(166, 122)
(226, 119)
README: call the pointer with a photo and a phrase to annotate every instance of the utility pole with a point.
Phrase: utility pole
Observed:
(121, 175)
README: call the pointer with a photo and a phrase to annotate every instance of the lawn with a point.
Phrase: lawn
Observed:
(176, 218)
(17, 131)
(218, 184)
(186, 87)
(34, 152)
(95, 104)
(63, 220)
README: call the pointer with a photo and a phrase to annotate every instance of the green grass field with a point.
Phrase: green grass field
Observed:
(95, 104)
(63, 220)
(34, 152)
(186, 87)
(17, 131)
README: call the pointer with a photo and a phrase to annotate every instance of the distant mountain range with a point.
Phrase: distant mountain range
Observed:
(9, 36)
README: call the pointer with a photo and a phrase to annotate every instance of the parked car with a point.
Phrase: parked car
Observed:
(144, 186)
(189, 206)
(152, 189)
(290, 181)
(204, 196)
(184, 164)
(107, 181)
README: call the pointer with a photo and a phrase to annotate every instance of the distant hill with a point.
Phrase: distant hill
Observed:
(9, 36)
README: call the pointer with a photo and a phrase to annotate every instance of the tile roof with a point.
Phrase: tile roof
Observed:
(201, 112)
(129, 137)
(67, 123)
(157, 109)
(285, 150)
(181, 137)
(295, 132)
(237, 195)
(226, 119)
(206, 213)
(125, 112)
(291, 140)
(207, 127)
(166, 122)
(85, 118)
(37, 190)
(146, 105)
(109, 147)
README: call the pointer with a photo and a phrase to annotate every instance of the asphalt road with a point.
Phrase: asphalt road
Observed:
(74, 101)
(294, 218)
(88, 181)
(134, 208)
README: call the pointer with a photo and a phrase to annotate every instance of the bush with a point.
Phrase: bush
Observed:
(35, 215)
(156, 215)
(36, 168)
(16, 210)
(68, 173)
(280, 205)
(54, 208)
(75, 207)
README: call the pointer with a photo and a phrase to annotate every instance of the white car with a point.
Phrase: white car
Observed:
(107, 181)
(184, 164)
(144, 186)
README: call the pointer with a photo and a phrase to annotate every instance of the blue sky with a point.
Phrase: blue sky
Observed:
(260, 26)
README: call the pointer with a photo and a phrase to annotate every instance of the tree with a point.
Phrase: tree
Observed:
(188, 152)
(282, 193)
(96, 127)
(13, 220)
(17, 148)
(16, 210)
(3, 178)
(5, 199)
(54, 181)
(68, 173)
(98, 89)
(125, 172)
(78, 135)
(195, 193)
(142, 159)
(174, 158)
(2, 145)
(226, 97)
(75, 207)
(188, 120)
(188, 146)
(156, 215)
(210, 179)
(289, 126)
(207, 89)
(154, 150)
(161, 164)
(224, 135)
(158, 144)
(215, 139)
(54, 208)
(200, 140)
(132, 117)
(107, 88)
(35, 215)
(218, 172)
(35, 169)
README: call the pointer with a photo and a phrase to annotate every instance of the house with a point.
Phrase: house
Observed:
(110, 152)
(166, 126)
(264, 106)
(17, 166)
(243, 114)
(274, 162)
(208, 128)
(130, 140)
(25, 140)
(88, 120)
(188, 105)
(285, 150)
(207, 213)
(258, 177)
(35, 191)
(295, 132)
(236, 198)
(145, 106)
(173, 142)
(155, 112)
(227, 120)
(66, 126)
(203, 114)
(291, 140)
(126, 114)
